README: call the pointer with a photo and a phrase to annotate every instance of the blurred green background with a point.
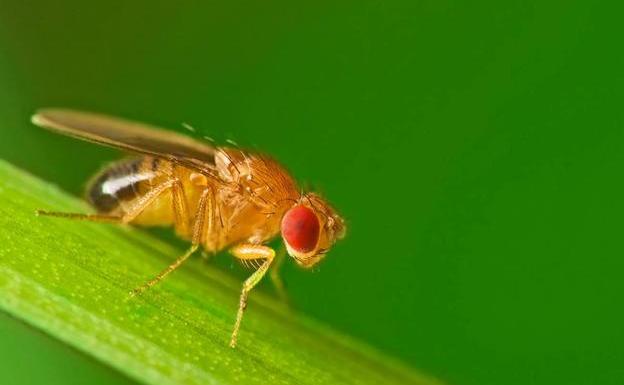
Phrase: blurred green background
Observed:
(475, 148)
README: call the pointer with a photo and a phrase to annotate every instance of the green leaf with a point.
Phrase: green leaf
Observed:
(71, 279)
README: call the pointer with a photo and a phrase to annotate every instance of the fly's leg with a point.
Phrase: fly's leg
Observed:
(83, 217)
(181, 216)
(127, 217)
(247, 251)
(276, 278)
(199, 229)
(210, 218)
(139, 290)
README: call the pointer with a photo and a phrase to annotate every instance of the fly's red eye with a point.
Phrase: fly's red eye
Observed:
(300, 228)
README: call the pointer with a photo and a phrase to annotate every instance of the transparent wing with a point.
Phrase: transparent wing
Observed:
(130, 136)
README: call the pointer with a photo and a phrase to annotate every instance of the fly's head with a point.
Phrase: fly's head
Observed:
(310, 228)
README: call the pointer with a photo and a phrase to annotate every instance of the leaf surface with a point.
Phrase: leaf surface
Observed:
(71, 279)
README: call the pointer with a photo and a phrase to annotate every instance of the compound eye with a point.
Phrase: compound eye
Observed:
(300, 229)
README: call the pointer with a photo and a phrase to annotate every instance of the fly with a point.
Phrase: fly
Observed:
(218, 198)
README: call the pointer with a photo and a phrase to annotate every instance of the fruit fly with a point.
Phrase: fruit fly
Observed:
(215, 197)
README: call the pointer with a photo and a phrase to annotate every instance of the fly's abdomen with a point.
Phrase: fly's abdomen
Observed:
(116, 187)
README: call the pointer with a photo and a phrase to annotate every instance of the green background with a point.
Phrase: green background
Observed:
(476, 150)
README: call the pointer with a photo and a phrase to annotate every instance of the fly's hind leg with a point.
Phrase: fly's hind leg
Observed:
(250, 252)
(203, 221)
(131, 213)
(79, 216)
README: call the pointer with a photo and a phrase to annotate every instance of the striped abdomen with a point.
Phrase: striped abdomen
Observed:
(121, 183)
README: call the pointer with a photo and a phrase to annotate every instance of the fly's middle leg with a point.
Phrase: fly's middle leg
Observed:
(181, 216)
(202, 220)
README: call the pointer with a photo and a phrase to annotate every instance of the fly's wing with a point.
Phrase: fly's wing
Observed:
(130, 136)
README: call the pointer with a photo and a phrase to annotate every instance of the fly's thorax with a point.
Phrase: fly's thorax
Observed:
(252, 195)
(255, 173)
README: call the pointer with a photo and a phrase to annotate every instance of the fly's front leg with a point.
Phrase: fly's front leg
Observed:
(250, 252)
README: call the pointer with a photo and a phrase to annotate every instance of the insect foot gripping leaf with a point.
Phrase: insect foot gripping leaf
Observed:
(64, 278)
